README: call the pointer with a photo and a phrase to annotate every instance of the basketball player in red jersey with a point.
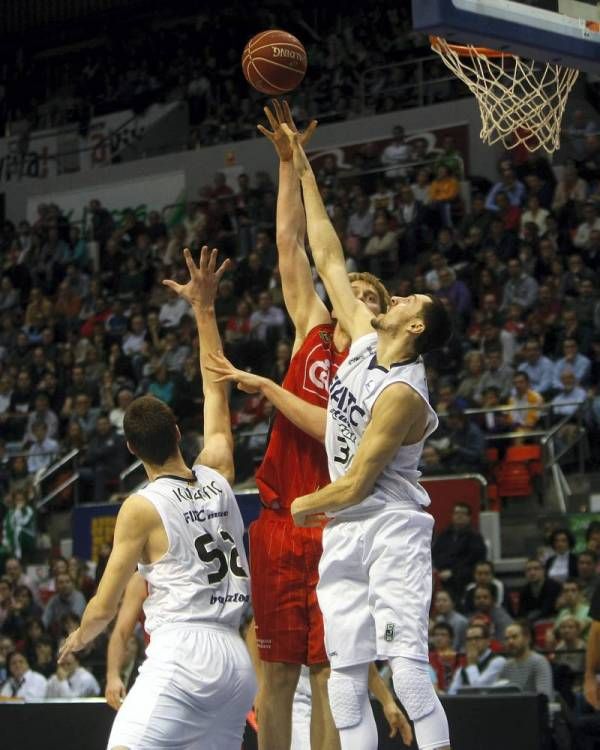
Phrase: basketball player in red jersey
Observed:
(284, 558)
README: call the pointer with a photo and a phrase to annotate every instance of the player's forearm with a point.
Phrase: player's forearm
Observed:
(592, 656)
(115, 657)
(291, 222)
(95, 619)
(325, 245)
(378, 687)
(334, 497)
(307, 417)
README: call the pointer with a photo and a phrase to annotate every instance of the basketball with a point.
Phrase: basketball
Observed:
(274, 62)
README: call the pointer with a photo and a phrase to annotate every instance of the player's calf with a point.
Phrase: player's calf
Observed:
(351, 709)
(415, 691)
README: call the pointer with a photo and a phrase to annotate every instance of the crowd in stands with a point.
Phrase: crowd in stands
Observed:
(517, 265)
(196, 59)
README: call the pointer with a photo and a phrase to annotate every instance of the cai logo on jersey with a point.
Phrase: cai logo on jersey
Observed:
(316, 374)
(348, 417)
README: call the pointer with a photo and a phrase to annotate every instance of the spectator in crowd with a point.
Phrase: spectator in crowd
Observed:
(538, 598)
(444, 612)
(520, 288)
(524, 668)
(43, 656)
(573, 605)
(496, 375)
(563, 563)
(483, 573)
(18, 530)
(42, 413)
(538, 368)
(267, 321)
(13, 570)
(67, 600)
(381, 250)
(396, 155)
(71, 680)
(43, 449)
(572, 360)
(22, 682)
(570, 649)
(587, 575)
(443, 193)
(526, 416)
(444, 658)
(590, 223)
(483, 604)
(466, 444)
(7, 646)
(456, 550)
(508, 184)
(482, 667)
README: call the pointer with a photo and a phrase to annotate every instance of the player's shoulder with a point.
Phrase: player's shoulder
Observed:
(320, 335)
(138, 511)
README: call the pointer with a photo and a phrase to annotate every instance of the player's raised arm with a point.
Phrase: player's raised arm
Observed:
(303, 304)
(307, 417)
(128, 617)
(326, 248)
(200, 292)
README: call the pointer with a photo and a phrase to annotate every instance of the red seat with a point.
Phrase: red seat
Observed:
(529, 454)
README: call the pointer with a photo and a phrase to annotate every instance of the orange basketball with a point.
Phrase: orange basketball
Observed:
(274, 62)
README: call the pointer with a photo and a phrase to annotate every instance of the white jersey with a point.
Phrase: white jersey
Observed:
(203, 577)
(352, 394)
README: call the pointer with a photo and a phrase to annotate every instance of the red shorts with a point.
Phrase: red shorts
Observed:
(284, 570)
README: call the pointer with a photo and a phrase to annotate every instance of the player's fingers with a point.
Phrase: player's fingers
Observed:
(276, 104)
(393, 731)
(265, 132)
(189, 261)
(172, 285)
(271, 118)
(308, 133)
(225, 265)
(203, 264)
(288, 115)
(212, 260)
(406, 734)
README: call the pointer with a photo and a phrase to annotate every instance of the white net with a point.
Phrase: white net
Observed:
(521, 102)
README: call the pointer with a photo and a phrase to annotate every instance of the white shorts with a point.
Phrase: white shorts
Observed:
(192, 693)
(375, 585)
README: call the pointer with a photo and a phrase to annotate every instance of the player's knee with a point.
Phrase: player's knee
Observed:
(413, 686)
(344, 699)
(280, 678)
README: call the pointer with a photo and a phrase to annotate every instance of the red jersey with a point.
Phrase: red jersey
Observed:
(294, 463)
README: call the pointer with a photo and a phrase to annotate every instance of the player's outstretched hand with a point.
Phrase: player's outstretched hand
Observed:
(201, 289)
(221, 366)
(70, 645)
(277, 116)
(114, 692)
(398, 722)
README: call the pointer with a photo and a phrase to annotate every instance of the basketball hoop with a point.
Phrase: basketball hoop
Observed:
(521, 102)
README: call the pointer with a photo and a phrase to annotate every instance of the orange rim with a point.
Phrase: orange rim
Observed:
(465, 50)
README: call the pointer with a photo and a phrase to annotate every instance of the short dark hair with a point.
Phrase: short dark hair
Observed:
(560, 531)
(526, 628)
(151, 430)
(486, 587)
(485, 629)
(487, 563)
(444, 626)
(438, 326)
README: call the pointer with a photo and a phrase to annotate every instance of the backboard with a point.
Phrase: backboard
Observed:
(566, 32)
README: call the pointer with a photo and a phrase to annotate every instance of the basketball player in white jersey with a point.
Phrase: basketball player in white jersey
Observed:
(375, 571)
(184, 532)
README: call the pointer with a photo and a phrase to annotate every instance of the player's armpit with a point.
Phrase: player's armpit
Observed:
(217, 454)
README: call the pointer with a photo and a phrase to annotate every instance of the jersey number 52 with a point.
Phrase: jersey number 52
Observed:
(216, 555)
